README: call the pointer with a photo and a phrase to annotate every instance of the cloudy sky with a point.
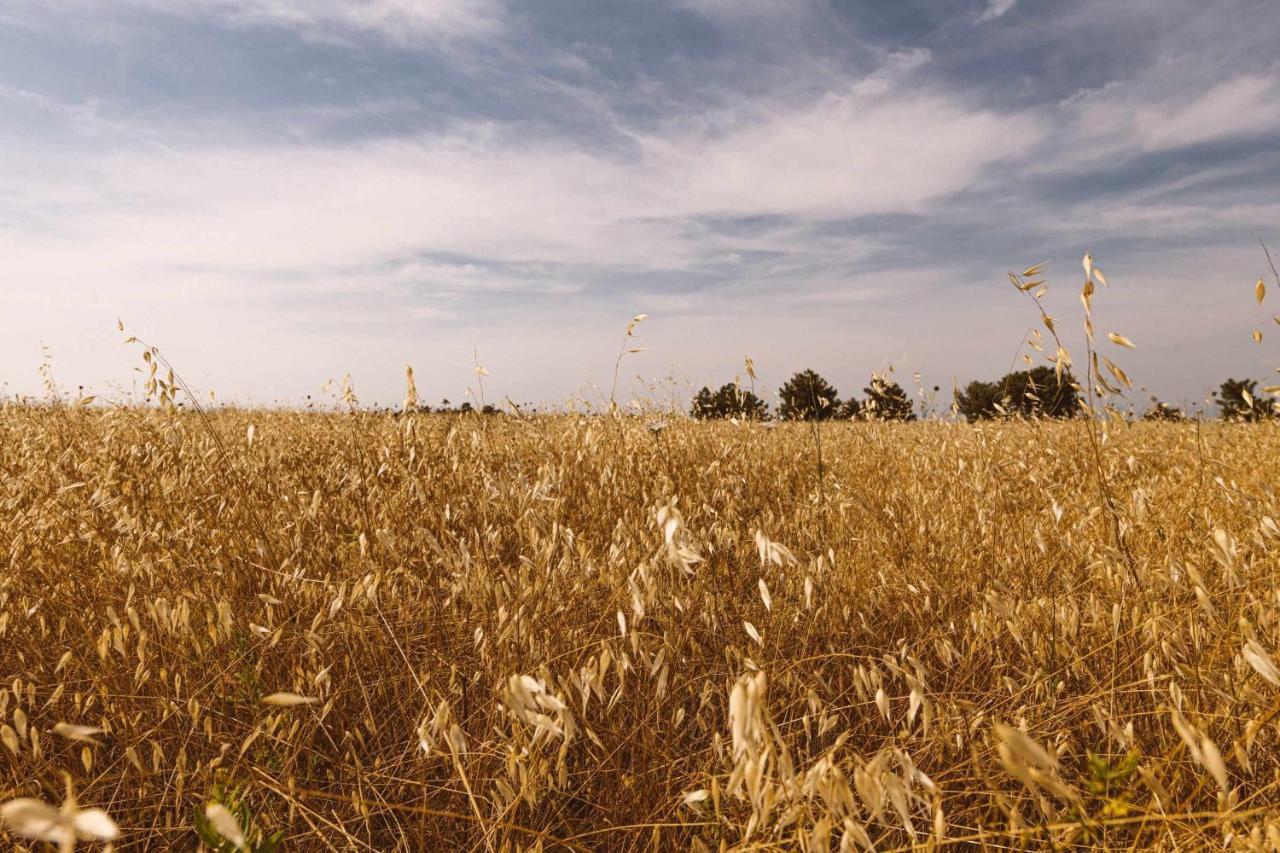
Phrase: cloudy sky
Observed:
(277, 192)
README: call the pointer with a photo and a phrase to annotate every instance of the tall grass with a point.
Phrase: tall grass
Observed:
(255, 630)
(440, 631)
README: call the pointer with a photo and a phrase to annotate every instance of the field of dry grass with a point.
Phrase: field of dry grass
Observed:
(434, 632)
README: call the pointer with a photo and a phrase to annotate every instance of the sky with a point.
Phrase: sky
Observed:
(280, 192)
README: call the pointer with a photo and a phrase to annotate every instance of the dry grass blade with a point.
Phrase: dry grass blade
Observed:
(508, 632)
(288, 700)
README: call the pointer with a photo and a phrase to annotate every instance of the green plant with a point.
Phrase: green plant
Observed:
(226, 824)
(1110, 786)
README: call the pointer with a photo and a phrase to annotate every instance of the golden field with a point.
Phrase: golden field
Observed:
(366, 632)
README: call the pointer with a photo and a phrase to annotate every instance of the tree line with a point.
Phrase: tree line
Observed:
(1037, 393)
(806, 396)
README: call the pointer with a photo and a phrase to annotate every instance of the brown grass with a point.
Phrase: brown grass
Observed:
(522, 632)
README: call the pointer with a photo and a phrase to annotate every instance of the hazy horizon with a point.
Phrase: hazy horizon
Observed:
(278, 192)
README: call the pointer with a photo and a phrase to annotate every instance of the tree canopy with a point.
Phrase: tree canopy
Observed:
(1240, 400)
(1161, 411)
(886, 401)
(731, 401)
(850, 409)
(1034, 393)
(806, 396)
(1023, 393)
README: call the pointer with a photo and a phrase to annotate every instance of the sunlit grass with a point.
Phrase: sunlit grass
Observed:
(435, 631)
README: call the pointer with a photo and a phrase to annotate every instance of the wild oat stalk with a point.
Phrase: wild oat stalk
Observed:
(573, 632)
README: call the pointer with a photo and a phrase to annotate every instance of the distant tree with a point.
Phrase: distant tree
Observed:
(446, 408)
(1160, 411)
(851, 409)
(1023, 393)
(704, 404)
(1239, 400)
(731, 401)
(807, 397)
(979, 401)
(886, 401)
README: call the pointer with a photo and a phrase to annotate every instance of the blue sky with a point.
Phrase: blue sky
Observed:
(277, 192)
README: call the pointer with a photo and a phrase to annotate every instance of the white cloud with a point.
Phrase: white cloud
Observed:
(288, 235)
(1122, 120)
(731, 10)
(397, 21)
(1246, 106)
(483, 193)
(896, 66)
(841, 156)
(996, 9)
(270, 267)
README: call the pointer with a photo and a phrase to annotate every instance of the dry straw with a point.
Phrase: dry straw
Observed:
(443, 632)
